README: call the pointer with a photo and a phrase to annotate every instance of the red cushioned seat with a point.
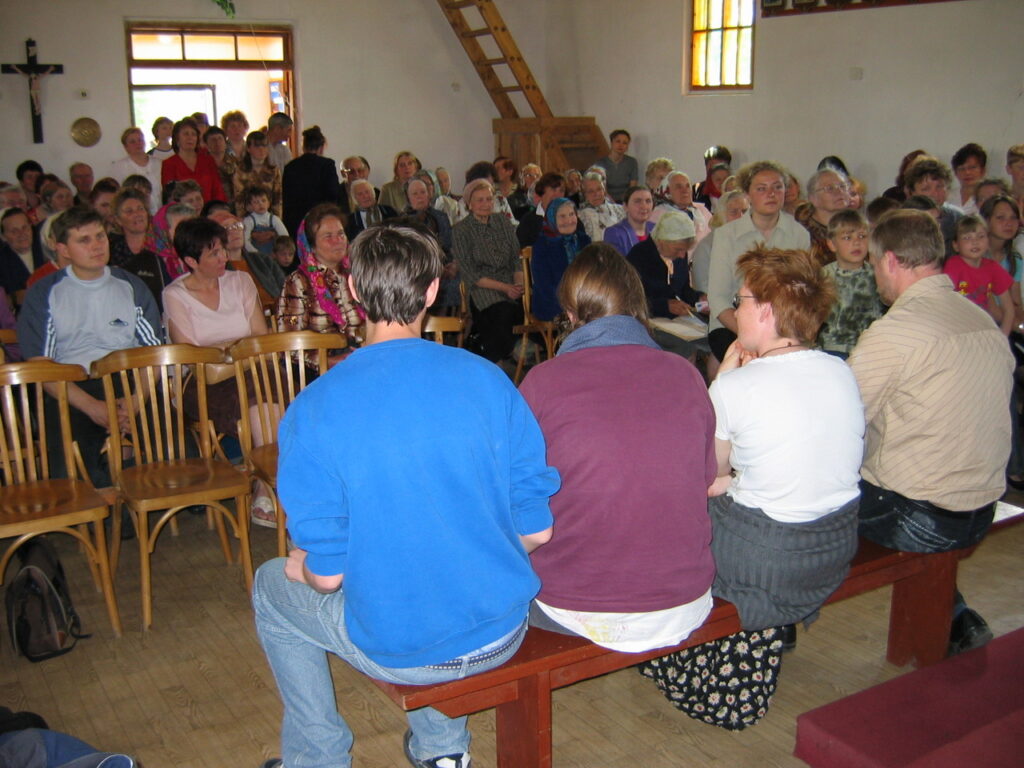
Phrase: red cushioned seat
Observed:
(964, 711)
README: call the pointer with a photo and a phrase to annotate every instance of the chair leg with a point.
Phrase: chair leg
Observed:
(245, 553)
(107, 583)
(225, 544)
(93, 565)
(115, 535)
(142, 532)
(520, 360)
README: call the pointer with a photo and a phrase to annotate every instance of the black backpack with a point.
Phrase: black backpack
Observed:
(40, 615)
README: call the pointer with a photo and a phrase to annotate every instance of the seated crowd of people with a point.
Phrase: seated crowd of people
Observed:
(860, 355)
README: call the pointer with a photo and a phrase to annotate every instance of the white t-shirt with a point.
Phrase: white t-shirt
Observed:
(796, 424)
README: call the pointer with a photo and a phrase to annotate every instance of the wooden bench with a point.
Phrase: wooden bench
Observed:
(520, 690)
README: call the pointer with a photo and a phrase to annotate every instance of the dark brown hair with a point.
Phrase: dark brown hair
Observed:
(600, 282)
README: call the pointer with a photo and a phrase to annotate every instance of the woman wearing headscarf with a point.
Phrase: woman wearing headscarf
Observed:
(554, 251)
(316, 296)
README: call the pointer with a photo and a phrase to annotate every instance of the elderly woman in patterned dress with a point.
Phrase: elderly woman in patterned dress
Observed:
(598, 212)
(487, 251)
(316, 295)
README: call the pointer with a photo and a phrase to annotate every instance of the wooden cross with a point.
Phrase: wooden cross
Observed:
(35, 72)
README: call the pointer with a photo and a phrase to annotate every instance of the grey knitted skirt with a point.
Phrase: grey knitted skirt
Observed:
(779, 573)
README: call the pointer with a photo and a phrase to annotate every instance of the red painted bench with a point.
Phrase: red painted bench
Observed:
(520, 690)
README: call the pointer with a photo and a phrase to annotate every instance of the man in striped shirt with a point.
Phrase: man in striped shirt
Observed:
(79, 314)
(935, 375)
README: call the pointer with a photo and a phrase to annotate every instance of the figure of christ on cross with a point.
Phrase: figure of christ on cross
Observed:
(35, 72)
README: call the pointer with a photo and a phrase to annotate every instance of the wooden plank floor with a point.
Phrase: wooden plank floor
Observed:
(195, 691)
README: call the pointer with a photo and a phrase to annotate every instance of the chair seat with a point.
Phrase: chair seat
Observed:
(25, 503)
(180, 482)
(264, 462)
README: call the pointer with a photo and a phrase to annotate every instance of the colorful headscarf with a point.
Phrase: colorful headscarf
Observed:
(163, 245)
(570, 243)
(316, 272)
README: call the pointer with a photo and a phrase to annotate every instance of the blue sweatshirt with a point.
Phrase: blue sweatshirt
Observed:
(412, 469)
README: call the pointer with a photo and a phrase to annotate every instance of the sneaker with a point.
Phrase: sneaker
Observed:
(445, 761)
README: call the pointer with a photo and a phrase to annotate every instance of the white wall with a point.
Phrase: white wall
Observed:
(378, 77)
(936, 76)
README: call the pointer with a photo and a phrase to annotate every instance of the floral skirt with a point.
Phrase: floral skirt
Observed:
(727, 682)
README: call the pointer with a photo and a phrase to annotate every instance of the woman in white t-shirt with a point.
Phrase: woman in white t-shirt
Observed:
(789, 441)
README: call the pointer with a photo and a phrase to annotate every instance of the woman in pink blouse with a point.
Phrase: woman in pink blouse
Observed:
(211, 307)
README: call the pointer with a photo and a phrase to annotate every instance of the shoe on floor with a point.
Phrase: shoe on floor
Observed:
(789, 638)
(445, 761)
(262, 512)
(969, 631)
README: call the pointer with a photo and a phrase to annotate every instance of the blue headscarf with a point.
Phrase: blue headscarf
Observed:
(571, 243)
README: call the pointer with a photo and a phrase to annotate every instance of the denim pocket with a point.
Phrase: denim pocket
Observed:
(922, 536)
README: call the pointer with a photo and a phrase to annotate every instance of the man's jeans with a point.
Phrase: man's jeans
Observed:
(297, 626)
(894, 521)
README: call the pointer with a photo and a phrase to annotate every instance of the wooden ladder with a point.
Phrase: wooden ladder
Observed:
(557, 143)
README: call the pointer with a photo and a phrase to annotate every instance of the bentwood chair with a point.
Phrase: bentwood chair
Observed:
(438, 325)
(33, 503)
(7, 336)
(164, 473)
(531, 325)
(271, 370)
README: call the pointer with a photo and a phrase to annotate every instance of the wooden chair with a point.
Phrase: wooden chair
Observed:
(33, 503)
(531, 325)
(438, 326)
(7, 336)
(164, 477)
(277, 373)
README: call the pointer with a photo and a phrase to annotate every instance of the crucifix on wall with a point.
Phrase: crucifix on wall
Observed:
(35, 72)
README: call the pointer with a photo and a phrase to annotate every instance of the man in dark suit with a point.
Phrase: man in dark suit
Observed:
(308, 180)
(368, 211)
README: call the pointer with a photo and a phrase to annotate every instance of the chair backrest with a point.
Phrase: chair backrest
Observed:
(527, 255)
(155, 378)
(23, 450)
(438, 326)
(7, 336)
(274, 367)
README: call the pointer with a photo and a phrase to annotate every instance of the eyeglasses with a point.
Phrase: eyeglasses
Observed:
(833, 188)
(236, 225)
(737, 299)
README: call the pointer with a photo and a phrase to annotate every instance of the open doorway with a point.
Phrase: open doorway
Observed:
(176, 70)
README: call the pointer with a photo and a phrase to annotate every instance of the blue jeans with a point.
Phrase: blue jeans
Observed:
(297, 626)
(907, 525)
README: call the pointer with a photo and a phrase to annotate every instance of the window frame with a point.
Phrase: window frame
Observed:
(286, 63)
(690, 60)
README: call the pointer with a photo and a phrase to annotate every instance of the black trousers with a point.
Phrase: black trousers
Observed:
(492, 330)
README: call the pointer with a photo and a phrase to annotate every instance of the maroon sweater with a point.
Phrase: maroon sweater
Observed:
(631, 431)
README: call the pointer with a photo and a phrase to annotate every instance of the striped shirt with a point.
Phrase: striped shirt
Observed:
(935, 376)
